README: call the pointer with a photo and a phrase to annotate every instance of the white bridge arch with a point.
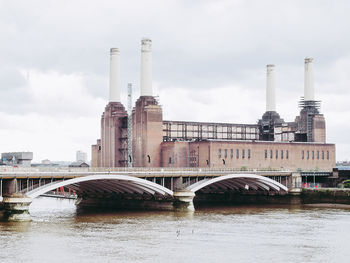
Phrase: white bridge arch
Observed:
(105, 183)
(239, 181)
(117, 183)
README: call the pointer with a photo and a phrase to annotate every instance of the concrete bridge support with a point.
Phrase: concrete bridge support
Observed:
(14, 206)
(296, 184)
(183, 201)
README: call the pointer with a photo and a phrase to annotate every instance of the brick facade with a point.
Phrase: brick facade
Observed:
(249, 155)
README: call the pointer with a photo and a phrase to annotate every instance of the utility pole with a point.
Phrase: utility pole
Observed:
(130, 160)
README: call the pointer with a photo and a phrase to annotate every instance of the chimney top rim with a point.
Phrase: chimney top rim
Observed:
(114, 50)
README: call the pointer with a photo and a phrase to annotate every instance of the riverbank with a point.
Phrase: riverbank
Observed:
(326, 195)
(321, 197)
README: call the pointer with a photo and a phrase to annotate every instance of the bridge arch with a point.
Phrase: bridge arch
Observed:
(105, 183)
(239, 181)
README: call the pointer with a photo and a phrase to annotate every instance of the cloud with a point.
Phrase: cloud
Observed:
(60, 117)
(209, 61)
(56, 94)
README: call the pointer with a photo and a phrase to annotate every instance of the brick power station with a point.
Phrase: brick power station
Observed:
(272, 143)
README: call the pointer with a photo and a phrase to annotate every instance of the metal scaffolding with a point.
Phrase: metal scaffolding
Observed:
(130, 160)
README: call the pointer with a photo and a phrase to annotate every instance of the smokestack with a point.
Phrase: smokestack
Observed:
(146, 67)
(114, 76)
(309, 90)
(270, 88)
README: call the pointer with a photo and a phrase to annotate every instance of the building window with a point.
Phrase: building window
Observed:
(318, 155)
(271, 154)
(231, 153)
(281, 154)
(149, 158)
(265, 154)
(243, 153)
(223, 161)
(225, 153)
(169, 159)
(313, 155)
(99, 147)
(248, 153)
(322, 155)
(276, 154)
(219, 153)
(302, 154)
(327, 155)
(287, 154)
(308, 155)
(237, 153)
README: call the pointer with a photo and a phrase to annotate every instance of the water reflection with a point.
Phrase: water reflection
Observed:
(17, 227)
(225, 234)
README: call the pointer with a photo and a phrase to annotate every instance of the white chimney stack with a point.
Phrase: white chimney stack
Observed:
(114, 76)
(270, 88)
(309, 90)
(146, 67)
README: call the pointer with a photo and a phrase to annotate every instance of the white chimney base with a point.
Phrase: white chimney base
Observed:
(309, 90)
(270, 88)
(146, 67)
(114, 76)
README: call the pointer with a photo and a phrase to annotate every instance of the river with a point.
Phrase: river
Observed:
(59, 233)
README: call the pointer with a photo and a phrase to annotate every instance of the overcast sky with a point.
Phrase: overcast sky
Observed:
(209, 63)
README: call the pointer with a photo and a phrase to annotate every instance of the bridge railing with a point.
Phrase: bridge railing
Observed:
(131, 169)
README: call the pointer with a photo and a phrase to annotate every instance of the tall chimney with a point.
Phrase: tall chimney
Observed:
(270, 88)
(309, 90)
(146, 67)
(114, 76)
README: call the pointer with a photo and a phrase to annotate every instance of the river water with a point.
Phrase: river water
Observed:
(59, 233)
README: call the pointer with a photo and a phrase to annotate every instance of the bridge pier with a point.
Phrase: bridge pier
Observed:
(15, 208)
(184, 200)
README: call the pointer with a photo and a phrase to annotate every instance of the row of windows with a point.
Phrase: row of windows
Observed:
(224, 153)
(313, 155)
(282, 154)
(274, 154)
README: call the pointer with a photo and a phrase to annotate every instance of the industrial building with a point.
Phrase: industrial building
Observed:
(150, 141)
(22, 159)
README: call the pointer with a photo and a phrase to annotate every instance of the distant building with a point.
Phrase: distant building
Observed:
(46, 161)
(81, 156)
(23, 159)
(78, 164)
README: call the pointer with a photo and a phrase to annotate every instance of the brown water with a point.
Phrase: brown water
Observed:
(226, 234)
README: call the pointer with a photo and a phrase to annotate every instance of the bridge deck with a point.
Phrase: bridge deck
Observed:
(141, 173)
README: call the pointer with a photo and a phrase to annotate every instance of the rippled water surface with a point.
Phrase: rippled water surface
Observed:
(226, 234)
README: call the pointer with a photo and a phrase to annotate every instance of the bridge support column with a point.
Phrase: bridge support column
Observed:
(16, 208)
(177, 183)
(184, 200)
(296, 184)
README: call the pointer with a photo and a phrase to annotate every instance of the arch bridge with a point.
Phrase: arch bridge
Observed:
(134, 190)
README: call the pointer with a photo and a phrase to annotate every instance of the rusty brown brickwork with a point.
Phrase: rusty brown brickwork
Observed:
(147, 132)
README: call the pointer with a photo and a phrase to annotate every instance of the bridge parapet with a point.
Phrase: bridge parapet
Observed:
(6, 169)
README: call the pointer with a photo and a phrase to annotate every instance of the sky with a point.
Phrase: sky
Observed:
(209, 64)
